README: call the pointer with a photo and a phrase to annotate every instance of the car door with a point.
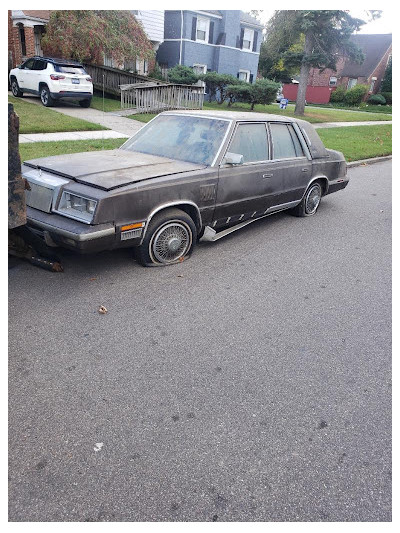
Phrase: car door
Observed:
(249, 189)
(291, 162)
(36, 74)
(25, 75)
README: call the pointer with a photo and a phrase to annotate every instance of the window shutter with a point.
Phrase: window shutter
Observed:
(251, 78)
(241, 38)
(238, 42)
(255, 41)
(211, 33)
(237, 75)
(194, 27)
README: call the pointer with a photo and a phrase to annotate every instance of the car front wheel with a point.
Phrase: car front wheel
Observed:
(170, 238)
(310, 202)
(15, 89)
(45, 96)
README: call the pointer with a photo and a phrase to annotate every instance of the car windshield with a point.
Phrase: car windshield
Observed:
(186, 138)
(69, 69)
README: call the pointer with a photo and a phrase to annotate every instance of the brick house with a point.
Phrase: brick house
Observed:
(377, 49)
(227, 42)
(25, 29)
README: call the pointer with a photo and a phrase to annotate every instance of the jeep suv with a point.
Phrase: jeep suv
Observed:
(52, 79)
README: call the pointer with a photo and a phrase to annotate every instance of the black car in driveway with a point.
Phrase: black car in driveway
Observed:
(185, 176)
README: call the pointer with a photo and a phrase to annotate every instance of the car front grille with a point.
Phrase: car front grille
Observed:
(39, 197)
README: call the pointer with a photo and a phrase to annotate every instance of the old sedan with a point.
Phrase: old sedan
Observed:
(185, 176)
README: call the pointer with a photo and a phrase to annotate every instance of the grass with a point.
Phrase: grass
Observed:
(312, 114)
(109, 104)
(367, 108)
(45, 149)
(39, 119)
(359, 142)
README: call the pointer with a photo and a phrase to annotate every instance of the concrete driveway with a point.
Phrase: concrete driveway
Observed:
(249, 383)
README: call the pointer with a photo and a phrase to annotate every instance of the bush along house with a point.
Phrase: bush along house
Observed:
(227, 42)
(377, 49)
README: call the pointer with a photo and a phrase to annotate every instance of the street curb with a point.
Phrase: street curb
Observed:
(369, 161)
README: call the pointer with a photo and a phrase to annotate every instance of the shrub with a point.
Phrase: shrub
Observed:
(338, 94)
(356, 95)
(156, 73)
(388, 97)
(377, 99)
(238, 93)
(217, 84)
(182, 74)
(263, 92)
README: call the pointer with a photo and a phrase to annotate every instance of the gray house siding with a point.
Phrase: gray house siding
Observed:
(222, 52)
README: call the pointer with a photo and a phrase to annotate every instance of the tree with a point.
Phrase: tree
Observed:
(88, 35)
(387, 79)
(326, 37)
(183, 75)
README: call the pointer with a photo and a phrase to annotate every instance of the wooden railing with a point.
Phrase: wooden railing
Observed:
(111, 78)
(153, 98)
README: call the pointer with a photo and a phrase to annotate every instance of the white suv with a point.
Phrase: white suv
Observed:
(52, 79)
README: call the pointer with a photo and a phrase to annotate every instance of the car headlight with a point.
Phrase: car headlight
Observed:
(76, 206)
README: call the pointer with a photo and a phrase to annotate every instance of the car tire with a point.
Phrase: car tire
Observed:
(45, 96)
(16, 91)
(169, 239)
(85, 103)
(310, 202)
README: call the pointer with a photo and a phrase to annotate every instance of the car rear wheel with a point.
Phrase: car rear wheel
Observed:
(170, 238)
(85, 103)
(15, 89)
(45, 96)
(310, 202)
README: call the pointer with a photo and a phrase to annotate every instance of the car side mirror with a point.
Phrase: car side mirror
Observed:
(233, 159)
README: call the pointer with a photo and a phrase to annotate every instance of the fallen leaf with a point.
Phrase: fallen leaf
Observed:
(180, 275)
(102, 310)
(92, 279)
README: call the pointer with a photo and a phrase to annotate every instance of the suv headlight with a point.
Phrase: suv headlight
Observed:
(75, 206)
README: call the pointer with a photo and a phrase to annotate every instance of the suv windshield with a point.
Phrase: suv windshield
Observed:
(69, 69)
(181, 137)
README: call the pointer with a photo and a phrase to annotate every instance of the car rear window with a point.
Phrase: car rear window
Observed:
(69, 69)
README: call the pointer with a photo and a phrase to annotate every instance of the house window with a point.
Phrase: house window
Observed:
(351, 83)
(202, 31)
(200, 69)
(332, 81)
(244, 75)
(145, 67)
(22, 39)
(248, 37)
(108, 61)
(371, 87)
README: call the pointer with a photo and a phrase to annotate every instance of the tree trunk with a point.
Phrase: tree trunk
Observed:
(304, 72)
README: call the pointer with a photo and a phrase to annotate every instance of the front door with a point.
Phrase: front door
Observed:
(247, 190)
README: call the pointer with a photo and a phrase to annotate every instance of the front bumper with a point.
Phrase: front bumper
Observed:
(72, 234)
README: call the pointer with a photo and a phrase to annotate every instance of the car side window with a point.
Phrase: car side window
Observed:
(285, 142)
(28, 65)
(250, 140)
(39, 64)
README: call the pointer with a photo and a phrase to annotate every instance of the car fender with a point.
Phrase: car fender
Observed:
(187, 205)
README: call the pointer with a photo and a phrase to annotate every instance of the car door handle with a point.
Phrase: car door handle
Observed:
(267, 176)
(304, 169)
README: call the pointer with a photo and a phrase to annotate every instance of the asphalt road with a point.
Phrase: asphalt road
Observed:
(249, 383)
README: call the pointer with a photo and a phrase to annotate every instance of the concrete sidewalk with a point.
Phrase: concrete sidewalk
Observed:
(71, 136)
(347, 124)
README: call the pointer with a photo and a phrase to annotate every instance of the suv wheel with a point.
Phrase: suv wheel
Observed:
(15, 88)
(85, 103)
(45, 97)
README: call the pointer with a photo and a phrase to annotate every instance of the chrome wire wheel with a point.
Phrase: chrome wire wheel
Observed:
(170, 242)
(313, 199)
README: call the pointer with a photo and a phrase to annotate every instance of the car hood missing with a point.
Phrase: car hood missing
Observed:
(110, 169)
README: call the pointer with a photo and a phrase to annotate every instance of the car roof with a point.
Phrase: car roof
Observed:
(58, 61)
(233, 115)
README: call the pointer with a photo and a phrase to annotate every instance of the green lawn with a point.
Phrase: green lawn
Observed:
(109, 104)
(39, 119)
(367, 108)
(45, 149)
(312, 114)
(359, 142)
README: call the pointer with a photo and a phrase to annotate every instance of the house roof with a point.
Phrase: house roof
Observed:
(37, 14)
(374, 47)
(246, 18)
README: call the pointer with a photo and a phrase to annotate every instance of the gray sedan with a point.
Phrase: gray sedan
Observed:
(185, 176)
